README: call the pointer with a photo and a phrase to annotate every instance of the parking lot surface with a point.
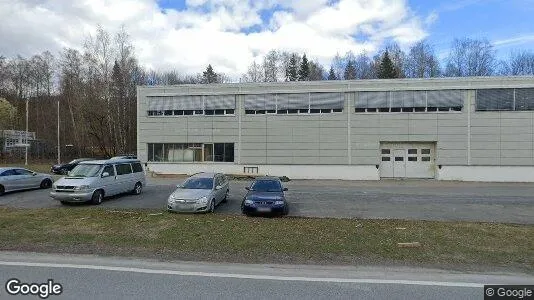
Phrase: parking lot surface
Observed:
(386, 199)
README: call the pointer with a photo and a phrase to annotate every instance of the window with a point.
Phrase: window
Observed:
(412, 158)
(8, 173)
(425, 158)
(109, 169)
(399, 158)
(123, 169)
(168, 113)
(266, 186)
(386, 151)
(412, 151)
(229, 152)
(386, 158)
(494, 99)
(425, 151)
(208, 152)
(505, 99)
(409, 101)
(137, 168)
(198, 183)
(192, 152)
(22, 172)
(294, 103)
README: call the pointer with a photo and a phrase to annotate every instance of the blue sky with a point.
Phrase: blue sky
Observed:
(499, 21)
(508, 23)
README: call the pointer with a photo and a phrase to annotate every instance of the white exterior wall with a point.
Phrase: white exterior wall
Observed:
(354, 172)
(487, 173)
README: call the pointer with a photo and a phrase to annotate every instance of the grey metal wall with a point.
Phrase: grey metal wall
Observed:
(462, 138)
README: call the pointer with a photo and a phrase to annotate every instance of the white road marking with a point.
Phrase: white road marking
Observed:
(244, 276)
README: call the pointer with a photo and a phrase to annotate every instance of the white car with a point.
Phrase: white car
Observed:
(16, 179)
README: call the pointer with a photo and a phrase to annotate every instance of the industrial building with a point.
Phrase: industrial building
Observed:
(472, 129)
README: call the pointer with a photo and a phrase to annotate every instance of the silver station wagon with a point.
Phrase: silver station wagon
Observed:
(199, 193)
(93, 180)
(16, 179)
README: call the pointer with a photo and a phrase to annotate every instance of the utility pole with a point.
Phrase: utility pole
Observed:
(26, 143)
(58, 145)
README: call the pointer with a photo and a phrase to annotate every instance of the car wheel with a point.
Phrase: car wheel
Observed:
(212, 206)
(138, 188)
(225, 199)
(97, 197)
(46, 184)
(2, 190)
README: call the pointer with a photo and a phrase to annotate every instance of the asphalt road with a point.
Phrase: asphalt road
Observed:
(90, 277)
(397, 199)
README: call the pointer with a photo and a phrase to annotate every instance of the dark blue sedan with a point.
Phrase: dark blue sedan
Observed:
(265, 196)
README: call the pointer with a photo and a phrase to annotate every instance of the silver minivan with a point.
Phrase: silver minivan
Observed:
(93, 180)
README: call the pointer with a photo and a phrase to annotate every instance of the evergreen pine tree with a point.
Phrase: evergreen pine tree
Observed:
(304, 71)
(292, 69)
(209, 76)
(386, 68)
(350, 70)
(332, 74)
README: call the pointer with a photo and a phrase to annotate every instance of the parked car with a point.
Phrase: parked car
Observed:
(125, 156)
(199, 193)
(95, 179)
(64, 169)
(15, 179)
(265, 196)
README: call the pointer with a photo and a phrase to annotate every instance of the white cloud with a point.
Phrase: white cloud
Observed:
(211, 31)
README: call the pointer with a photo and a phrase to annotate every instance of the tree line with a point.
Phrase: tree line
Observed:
(96, 86)
(467, 57)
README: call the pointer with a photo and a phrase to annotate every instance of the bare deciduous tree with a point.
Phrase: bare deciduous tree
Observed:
(421, 61)
(470, 57)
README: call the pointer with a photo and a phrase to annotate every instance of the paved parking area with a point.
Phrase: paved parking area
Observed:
(397, 199)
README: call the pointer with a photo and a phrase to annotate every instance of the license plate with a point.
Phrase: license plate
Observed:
(263, 209)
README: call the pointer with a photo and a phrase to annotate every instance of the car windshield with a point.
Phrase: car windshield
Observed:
(266, 186)
(73, 161)
(198, 184)
(85, 170)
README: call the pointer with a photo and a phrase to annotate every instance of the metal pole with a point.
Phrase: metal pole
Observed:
(26, 144)
(58, 146)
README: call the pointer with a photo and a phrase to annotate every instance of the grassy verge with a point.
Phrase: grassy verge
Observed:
(148, 233)
(42, 168)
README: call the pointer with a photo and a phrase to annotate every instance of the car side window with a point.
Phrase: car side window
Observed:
(8, 173)
(109, 169)
(217, 180)
(137, 168)
(123, 169)
(21, 172)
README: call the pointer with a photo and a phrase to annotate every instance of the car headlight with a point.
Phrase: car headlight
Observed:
(249, 202)
(279, 202)
(82, 187)
(202, 200)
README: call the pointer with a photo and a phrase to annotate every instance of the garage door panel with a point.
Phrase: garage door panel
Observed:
(407, 160)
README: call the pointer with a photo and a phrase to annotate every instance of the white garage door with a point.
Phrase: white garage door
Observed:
(407, 160)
